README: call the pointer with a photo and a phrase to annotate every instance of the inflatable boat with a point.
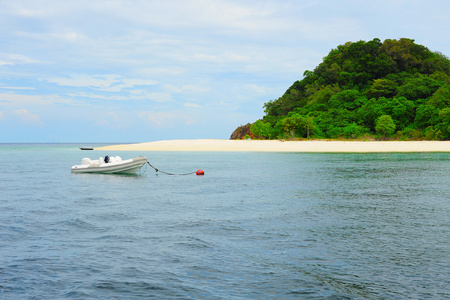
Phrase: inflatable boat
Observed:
(110, 165)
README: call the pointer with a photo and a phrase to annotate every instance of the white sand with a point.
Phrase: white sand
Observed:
(286, 146)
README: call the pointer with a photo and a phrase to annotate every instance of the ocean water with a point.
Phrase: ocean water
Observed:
(256, 226)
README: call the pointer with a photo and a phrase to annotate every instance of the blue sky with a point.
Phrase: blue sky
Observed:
(138, 71)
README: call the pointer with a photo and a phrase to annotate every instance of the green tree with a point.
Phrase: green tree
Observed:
(354, 131)
(385, 125)
(272, 108)
(438, 62)
(359, 82)
(400, 109)
(348, 99)
(382, 88)
(426, 115)
(261, 130)
(444, 126)
(370, 111)
(420, 87)
(404, 54)
(298, 125)
(323, 94)
(441, 98)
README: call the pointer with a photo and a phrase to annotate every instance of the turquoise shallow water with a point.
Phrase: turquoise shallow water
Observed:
(257, 225)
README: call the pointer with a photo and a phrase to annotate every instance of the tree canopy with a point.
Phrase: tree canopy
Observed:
(393, 89)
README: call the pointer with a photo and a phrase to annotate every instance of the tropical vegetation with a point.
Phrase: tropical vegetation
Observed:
(394, 89)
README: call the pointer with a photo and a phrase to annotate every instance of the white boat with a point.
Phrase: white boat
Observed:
(110, 165)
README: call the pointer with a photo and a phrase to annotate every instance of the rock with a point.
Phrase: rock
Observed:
(241, 132)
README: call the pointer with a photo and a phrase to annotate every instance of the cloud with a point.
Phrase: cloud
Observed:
(106, 82)
(71, 37)
(134, 95)
(127, 83)
(111, 120)
(255, 88)
(187, 88)
(159, 119)
(93, 81)
(15, 59)
(160, 97)
(20, 100)
(192, 105)
(108, 97)
(167, 119)
(17, 88)
(109, 60)
(28, 117)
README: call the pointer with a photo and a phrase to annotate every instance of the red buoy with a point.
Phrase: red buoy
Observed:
(200, 172)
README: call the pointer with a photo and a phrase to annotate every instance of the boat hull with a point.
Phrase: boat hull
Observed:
(129, 166)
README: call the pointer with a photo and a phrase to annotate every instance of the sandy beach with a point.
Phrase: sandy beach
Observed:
(318, 146)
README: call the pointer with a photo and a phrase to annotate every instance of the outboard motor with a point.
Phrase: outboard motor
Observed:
(106, 159)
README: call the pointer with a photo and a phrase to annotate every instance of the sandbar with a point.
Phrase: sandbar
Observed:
(315, 146)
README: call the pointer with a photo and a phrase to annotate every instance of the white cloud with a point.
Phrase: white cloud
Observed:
(134, 95)
(192, 105)
(15, 59)
(28, 117)
(71, 37)
(17, 88)
(255, 88)
(111, 120)
(94, 81)
(167, 119)
(129, 83)
(187, 88)
(106, 82)
(156, 71)
(205, 57)
(19, 100)
(136, 92)
(99, 96)
(159, 119)
(159, 97)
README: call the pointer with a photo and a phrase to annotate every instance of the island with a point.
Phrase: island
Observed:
(392, 90)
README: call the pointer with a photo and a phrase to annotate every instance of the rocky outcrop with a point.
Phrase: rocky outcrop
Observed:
(241, 132)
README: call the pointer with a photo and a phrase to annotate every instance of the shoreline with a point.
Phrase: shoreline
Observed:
(315, 146)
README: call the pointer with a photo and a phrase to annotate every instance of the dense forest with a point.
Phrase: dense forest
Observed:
(394, 89)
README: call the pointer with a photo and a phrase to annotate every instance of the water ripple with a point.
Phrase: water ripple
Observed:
(323, 226)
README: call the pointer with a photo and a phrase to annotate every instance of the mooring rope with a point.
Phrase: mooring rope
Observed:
(167, 173)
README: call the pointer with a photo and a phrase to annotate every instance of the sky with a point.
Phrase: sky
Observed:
(143, 70)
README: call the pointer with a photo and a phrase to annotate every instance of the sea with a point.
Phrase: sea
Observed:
(255, 226)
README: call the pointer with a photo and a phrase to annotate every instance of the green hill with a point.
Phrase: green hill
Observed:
(394, 89)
